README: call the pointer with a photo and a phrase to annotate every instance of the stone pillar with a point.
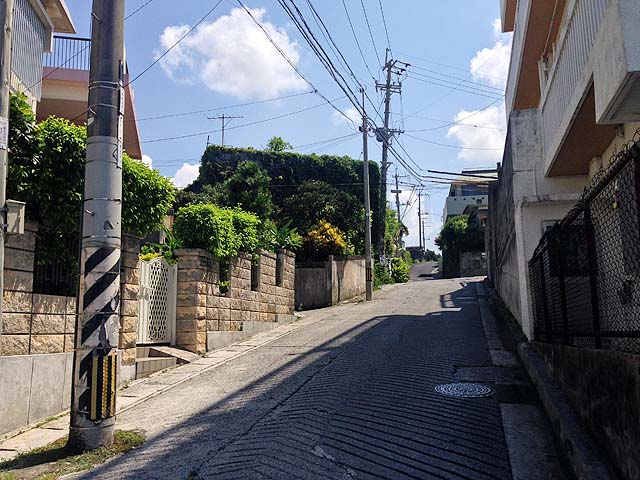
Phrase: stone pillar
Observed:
(285, 294)
(197, 270)
(129, 289)
(267, 305)
(15, 324)
(240, 278)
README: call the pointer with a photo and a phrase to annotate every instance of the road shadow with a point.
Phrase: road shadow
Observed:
(360, 404)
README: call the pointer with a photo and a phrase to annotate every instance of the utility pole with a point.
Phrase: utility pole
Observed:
(6, 20)
(367, 202)
(397, 192)
(385, 135)
(97, 327)
(420, 223)
(225, 119)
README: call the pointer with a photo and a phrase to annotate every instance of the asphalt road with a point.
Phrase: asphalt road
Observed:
(351, 396)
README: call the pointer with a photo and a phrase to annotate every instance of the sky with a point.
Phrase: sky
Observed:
(451, 108)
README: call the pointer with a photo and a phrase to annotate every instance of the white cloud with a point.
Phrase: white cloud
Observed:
(491, 65)
(233, 56)
(354, 118)
(469, 136)
(147, 160)
(185, 175)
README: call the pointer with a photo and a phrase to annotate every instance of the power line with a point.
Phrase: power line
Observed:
(297, 70)
(176, 43)
(138, 9)
(356, 39)
(373, 42)
(459, 122)
(472, 92)
(182, 114)
(470, 82)
(453, 146)
(191, 135)
(384, 22)
(320, 142)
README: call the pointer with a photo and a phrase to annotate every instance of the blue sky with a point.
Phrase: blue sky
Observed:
(227, 61)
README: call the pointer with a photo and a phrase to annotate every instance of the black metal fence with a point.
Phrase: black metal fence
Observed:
(585, 273)
(56, 265)
(69, 52)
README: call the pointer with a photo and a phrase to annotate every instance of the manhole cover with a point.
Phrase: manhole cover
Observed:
(464, 390)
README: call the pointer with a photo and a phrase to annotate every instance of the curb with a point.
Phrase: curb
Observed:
(585, 460)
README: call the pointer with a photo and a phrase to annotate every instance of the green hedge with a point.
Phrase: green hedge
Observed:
(221, 231)
(46, 170)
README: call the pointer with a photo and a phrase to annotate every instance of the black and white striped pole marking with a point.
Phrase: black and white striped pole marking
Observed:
(98, 307)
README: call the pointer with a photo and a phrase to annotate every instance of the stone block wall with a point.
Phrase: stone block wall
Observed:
(129, 289)
(32, 323)
(207, 319)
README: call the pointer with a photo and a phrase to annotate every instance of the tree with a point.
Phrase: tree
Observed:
(248, 188)
(316, 201)
(395, 231)
(278, 144)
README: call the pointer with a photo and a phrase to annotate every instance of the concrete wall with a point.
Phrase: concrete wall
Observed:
(604, 389)
(207, 319)
(33, 388)
(518, 219)
(321, 285)
(473, 264)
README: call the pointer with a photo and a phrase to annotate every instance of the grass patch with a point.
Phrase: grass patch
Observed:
(57, 459)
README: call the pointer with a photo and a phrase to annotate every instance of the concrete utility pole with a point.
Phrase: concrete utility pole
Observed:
(367, 202)
(420, 222)
(225, 119)
(397, 192)
(97, 328)
(385, 135)
(6, 20)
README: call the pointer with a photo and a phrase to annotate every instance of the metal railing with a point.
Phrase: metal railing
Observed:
(585, 273)
(566, 67)
(69, 52)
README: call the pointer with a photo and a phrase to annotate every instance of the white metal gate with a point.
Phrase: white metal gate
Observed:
(157, 302)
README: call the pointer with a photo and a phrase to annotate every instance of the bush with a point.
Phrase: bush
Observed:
(147, 196)
(400, 270)
(221, 231)
(381, 275)
(325, 240)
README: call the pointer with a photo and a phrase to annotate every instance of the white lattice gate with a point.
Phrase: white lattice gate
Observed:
(157, 308)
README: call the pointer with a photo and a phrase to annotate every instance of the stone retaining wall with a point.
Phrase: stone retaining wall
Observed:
(207, 319)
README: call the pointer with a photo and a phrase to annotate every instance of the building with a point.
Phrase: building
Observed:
(34, 22)
(572, 99)
(65, 88)
(467, 191)
(563, 231)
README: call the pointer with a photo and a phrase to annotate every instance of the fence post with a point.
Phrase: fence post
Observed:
(548, 327)
(563, 293)
(593, 274)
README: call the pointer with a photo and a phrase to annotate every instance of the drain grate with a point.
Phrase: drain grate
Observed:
(464, 390)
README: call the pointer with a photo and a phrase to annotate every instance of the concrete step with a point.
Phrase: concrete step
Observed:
(148, 365)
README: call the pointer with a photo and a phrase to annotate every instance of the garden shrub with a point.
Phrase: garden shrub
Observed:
(223, 232)
(381, 275)
(399, 270)
(146, 198)
(325, 240)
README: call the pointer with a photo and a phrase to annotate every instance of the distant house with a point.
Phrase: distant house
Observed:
(65, 88)
(34, 22)
(467, 191)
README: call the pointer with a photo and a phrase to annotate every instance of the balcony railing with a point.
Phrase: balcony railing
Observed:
(69, 52)
(561, 73)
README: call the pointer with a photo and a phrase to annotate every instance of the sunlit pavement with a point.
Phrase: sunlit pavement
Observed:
(351, 395)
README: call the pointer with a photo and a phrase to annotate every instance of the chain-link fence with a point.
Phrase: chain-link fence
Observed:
(585, 273)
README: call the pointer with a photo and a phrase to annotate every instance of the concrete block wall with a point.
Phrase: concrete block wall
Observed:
(319, 285)
(207, 319)
(32, 323)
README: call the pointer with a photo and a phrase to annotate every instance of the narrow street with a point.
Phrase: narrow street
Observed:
(351, 395)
